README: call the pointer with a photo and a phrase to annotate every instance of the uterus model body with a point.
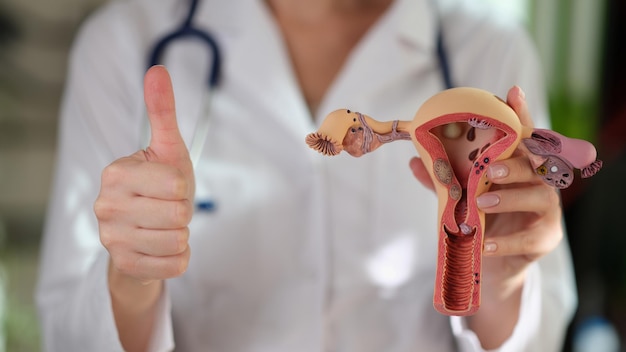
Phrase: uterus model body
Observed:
(458, 133)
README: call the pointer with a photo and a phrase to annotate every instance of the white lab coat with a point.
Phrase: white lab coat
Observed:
(304, 253)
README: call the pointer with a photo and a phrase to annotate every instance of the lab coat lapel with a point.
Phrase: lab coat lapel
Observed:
(263, 72)
(399, 45)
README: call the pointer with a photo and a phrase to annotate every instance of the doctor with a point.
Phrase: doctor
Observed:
(301, 252)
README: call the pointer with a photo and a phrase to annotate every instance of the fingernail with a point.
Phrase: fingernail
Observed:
(490, 247)
(487, 200)
(497, 171)
(521, 93)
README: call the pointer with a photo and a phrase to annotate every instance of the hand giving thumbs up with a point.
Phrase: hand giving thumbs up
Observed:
(146, 199)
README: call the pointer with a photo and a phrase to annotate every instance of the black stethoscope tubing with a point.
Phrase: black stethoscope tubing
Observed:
(188, 30)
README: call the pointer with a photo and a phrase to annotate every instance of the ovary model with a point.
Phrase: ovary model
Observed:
(458, 133)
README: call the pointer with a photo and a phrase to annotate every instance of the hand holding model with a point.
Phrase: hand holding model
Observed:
(143, 209)
(468, 141)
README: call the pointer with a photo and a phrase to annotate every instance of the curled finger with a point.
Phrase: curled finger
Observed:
(160, 243)
(136, 177)
(145, 267)
(530, 243)
(160, 214)
(532, 198)
(513, 170)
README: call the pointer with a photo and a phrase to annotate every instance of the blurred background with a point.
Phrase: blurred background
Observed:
(582, 44)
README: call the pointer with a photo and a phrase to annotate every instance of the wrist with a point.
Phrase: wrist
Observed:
(131, 294)
(503, 288)
(134, 303)
(497, 317)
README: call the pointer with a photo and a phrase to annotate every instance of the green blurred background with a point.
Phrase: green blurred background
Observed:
(581, 43)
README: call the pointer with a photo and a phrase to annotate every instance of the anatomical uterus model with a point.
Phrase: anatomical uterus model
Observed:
(458, 133)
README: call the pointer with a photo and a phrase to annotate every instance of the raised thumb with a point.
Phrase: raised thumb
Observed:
(166, 143)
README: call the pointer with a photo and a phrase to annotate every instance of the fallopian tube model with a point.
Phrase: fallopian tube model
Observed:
(458, 133)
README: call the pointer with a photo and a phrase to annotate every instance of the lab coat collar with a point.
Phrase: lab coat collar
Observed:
(257, 50)
(400, 46)
(417, 22)
(256, 62)
(415, 19)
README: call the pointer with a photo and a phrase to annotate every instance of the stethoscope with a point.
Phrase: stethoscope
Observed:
(188, 31)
